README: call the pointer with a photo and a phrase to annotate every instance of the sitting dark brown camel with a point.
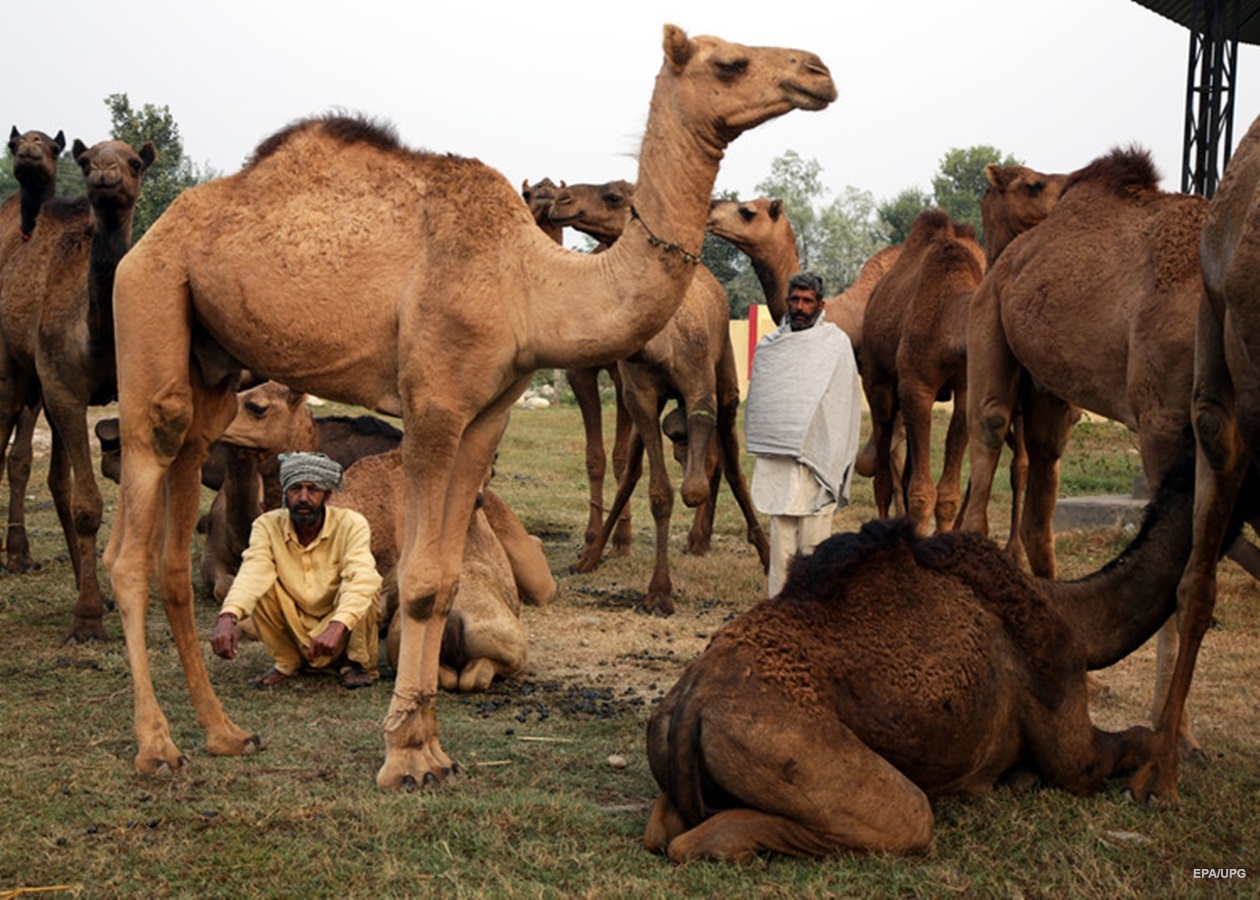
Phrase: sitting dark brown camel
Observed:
(892, 669)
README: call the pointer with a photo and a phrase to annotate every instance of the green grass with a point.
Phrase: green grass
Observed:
(549, 817)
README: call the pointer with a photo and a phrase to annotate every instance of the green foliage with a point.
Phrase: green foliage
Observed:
(961, 181)
(899, 213)
(171, 174)
(833, 238)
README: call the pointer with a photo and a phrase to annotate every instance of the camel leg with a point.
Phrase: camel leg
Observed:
(728, 436)
(446, 462)
(916, 412)
(840, 794)
(949, 488)
(881, 398)
(1221, 461)
(21, 455)
(701, 425)
(700, 537)
(620, 456)
(1019, 484)
(992, 392)
(79, 503)
(1048, 421)
(661, 501)
(585, 385)
(592, 555)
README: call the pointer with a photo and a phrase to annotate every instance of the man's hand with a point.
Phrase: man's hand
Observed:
(327, 641)
(225, 637)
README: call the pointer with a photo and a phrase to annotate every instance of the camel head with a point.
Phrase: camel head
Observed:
(1017, 199)
(539, 196)
(273, 419)
(35, 154)
(112, 170)
(599, 210)
(724, 89)
(750, 224)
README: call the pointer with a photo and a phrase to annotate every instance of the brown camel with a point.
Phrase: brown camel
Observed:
(1097, 305)
(893, 669)
(58, 333)
(914, 350)
(1226, 414)
(541, 197)
(35, 156)
(503, 566)
(690, 360)
(429, 252)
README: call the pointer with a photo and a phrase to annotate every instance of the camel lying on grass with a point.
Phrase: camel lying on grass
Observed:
(892, 669)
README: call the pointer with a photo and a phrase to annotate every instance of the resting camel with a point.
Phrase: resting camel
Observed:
(58, 334)
(690, 360)
(914, 349)
(893, 669)
(35, 156)
(1097, 305)
(541, 197)
(407, 250)
(503, 566)
(1225, 410)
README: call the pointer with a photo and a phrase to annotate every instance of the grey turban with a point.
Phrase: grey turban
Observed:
(316, 468)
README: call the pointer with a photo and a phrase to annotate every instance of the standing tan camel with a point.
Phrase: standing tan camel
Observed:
(417, 285)
(35, 156)
(1226, 413)
(690, 360)
(893, 669)
(914, 350)
(1097, 305)
(58, 331)
(541, 197)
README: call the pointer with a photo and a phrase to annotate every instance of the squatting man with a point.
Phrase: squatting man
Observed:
(308, 581)
(802, 422)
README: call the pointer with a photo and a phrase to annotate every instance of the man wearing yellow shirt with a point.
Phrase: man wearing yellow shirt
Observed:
(308, 580)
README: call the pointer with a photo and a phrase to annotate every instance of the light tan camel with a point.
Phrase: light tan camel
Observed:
(541, 197)
(691, 360)
(1097, 305)
(35, 156)
(503, 566)
(1226, 415)
(914, 350)
(430, 293)
(893, 669)
(58, 331)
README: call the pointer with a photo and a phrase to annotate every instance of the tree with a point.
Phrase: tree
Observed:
(961, 181)
(171, 174)
(833, 239)
(899, 213)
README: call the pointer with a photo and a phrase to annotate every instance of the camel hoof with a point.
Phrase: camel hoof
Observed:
(1196, 757)
(457, 770)
(254, 744)
(408, 783)
(429, 781)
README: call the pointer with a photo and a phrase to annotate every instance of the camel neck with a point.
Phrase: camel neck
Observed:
(36, 191)
(773, 272)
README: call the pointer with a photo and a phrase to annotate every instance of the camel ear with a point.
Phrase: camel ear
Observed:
(996, 175)
(148, 154)
(60, 141)
(677, 47)
(77, 152)
(294, 398)
(776, 209)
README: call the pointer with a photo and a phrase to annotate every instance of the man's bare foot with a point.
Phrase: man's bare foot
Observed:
(270, 678)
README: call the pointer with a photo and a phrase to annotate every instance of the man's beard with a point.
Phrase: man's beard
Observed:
(306, 516)
(803, 322)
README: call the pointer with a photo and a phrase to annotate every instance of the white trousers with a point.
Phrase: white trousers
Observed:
(790, 535)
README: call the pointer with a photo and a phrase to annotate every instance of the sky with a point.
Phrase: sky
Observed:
(560, 89)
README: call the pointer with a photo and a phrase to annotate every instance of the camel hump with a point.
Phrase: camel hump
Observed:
(1123, 171)
(344, 129)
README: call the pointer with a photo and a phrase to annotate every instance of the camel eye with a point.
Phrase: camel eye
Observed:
(732, 69)
(1036, 188)
(257, 410)
(747, 214)
(613, 200)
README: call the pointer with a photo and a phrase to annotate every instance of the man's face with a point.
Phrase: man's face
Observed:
(803, 308)
(305, 503)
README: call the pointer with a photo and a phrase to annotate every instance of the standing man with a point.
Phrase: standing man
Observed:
(802, 422)
(309, 581)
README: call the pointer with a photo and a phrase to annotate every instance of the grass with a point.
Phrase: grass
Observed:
(542, 812)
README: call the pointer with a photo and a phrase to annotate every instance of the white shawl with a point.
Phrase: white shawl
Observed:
(805, 402)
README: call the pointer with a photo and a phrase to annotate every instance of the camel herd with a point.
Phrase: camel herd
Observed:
(910, 660)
